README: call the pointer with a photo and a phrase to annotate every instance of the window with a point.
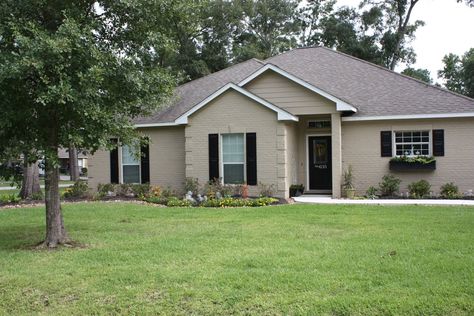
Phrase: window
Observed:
(319, 124)
(130, 165)
(233, 158)
(412, 143)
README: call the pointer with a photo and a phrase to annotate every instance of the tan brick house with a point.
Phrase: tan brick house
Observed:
(301, 117)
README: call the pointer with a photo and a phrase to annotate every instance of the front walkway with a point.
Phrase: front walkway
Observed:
(318, 199)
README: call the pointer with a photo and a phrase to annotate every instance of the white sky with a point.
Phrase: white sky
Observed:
(449, 28)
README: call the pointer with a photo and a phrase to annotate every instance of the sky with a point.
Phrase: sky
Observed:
(449, 28)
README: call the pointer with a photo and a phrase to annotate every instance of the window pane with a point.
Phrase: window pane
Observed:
(233, 174)
(131, 174)
(129, 156)
(233, 148)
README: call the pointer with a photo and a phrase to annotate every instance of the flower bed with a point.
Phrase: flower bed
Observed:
(412, 163)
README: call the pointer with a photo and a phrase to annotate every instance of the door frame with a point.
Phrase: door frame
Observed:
(307, 162)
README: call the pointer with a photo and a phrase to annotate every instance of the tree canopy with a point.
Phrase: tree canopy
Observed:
(458, 73)
(76, 73)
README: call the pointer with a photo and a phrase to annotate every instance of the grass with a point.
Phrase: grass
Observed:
(299, 259)
(17, 191)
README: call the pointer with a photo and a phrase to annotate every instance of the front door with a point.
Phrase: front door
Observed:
(320, 166)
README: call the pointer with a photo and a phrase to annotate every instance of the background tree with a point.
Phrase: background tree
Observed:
(458, 73)
(76, 72)
(419, 73)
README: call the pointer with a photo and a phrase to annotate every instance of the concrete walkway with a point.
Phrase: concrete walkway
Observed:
(328, 200)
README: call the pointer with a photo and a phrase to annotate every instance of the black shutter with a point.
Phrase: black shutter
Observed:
(114, 164)
(213, 157)
(386, 143)
(145, 163)
(438, 142)
(251, 143)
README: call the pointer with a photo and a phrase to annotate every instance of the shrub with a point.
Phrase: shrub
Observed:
(450, 191)
(348, 179)
(233, 202)
(371, 193)
(155, 191)
(419, 189)
(389, 185)
(78, 190)
(9, 198)
(104, 189)
(156, 200)
(38, 196)
(140, 189)
(216, 185)
(175, 202)
(124, 189)
(191, 185)
(266, 190)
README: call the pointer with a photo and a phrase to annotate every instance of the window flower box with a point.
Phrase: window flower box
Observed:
(412, 163)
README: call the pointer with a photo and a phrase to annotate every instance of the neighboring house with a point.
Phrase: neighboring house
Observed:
(64, 160)
(300, 117)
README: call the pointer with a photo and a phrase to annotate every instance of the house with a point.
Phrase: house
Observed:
(63, 155)
(301, 117)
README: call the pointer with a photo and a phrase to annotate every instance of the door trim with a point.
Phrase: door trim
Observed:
(307, 162)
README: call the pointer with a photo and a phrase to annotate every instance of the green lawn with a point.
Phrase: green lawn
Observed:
(299, 259)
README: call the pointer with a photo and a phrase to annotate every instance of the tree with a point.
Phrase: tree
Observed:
(76, 72)
(73, 164)
(267, 28)
(420, 74)
(458, 73)
(30, 184)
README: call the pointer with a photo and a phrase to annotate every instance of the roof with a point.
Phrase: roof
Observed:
(374, 91)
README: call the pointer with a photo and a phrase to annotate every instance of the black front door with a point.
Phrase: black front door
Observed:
(320, 166)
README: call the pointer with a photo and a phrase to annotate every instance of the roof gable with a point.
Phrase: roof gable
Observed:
(340, 104)
(281, 114)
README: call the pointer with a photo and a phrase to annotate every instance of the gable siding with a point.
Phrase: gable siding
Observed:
(289, 95)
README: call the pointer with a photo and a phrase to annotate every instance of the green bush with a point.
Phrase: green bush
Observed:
(78, 190)
(390, 185)
(191, 185)
(233, 202)
(371, 193)
(417, 159)
(156, 199)
(140, 189)
(9, 198)
(104, 189)
(419, 189)
(175, 202)
(38, 196)
(450, 191)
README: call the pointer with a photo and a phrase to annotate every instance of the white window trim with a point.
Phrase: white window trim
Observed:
(121, 164)
(394, 143)
(221, 155)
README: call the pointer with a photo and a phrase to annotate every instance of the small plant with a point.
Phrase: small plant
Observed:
(38, 196)
(191, 185)
(266, 190)
(105, 189)
(233, 202)
(419, 189)
(216, 185)
(78, 190)
(371, 193)
(348, 183)
(155, 191)
(416, 159)
(175, 202)
(140, 189)
(9, 198)
(390, 185)
(296, 190)
(450, 191)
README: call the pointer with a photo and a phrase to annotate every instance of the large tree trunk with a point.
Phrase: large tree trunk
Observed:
(30, 184)
(73, 164)
(55, 232)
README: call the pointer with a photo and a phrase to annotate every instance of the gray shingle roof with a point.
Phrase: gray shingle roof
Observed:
(373, 90)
